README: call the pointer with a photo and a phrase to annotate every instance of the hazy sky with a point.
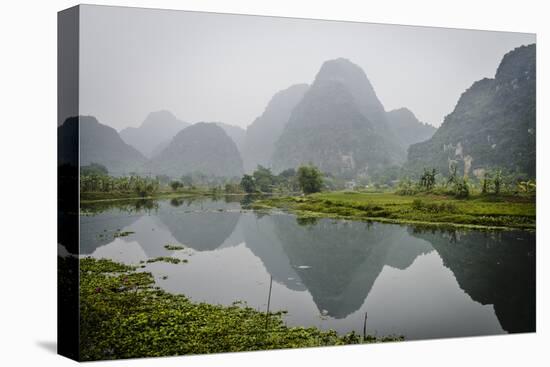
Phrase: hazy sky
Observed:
(216, 67)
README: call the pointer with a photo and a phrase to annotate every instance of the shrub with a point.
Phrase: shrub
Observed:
(462, 189)
(527, 187)
(175, 185)
(248, 184)
(406, 187)
(427, 180)
(310, 179)
(497, 181)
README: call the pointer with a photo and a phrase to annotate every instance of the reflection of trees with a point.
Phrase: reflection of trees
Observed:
(146, 206)
(187, 200)
(175, 202)
(248, 199)
(232, 198)
(133, 206)
(306, 221)
(495, 268)
(98, 230)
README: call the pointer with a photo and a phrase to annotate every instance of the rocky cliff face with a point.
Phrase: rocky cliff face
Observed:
(262, 134)
(339, 125)
(492, 125)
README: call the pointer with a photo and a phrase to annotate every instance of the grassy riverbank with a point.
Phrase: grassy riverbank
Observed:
(91, 197)
(124, 315)
(486, 211)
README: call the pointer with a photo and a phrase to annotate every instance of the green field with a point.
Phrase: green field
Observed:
(488, 211)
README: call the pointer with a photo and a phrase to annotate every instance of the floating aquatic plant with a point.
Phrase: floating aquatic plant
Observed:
(123, 314)
(167, 259)
(118, 233)
(173, 247)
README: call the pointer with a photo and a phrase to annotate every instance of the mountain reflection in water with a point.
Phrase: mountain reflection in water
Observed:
(327, 273)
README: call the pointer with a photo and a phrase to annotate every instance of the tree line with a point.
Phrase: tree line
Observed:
(307, 179)
(141, 186)
(491, 183)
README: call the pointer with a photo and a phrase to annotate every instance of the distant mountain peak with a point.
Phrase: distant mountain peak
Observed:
(280, 99)
(339, 67)
(339, 125)
(354, 78)
(345, 71)
(407, 128)
(157, 128)
(403, 111)
(202, 147)
(516, 59)
(204, 125)
(161, 116)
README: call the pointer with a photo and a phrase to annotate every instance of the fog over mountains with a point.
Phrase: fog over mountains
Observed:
(339, 124)
(236, 133)
(156, 130)
(406, 127)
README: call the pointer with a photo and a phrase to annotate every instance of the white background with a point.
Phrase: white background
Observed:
(28, 153)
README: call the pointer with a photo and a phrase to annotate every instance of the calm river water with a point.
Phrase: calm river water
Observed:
(328, 273)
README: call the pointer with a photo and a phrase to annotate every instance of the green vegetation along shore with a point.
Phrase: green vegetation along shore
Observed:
(477, 211)
(90, 197)
(124, 315)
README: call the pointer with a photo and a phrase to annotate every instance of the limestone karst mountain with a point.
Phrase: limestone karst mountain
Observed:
(492, 125)
(339, 125)
(407, 128)
(202, 147)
